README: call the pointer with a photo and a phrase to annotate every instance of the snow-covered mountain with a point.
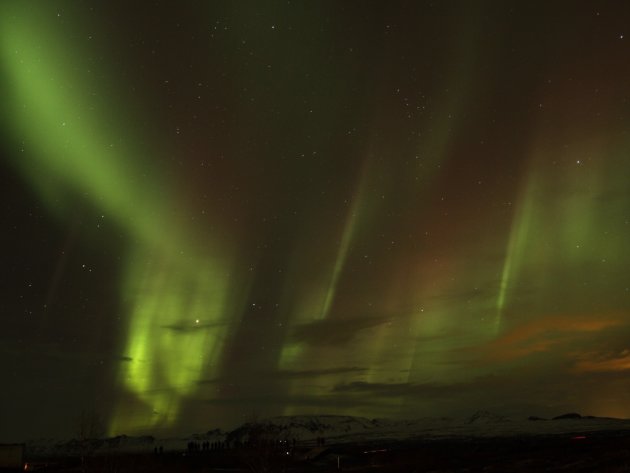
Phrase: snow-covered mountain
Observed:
(345, 429)
(303, 428)
(486, 417)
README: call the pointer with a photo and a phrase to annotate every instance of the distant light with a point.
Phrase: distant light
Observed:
(579, 437)
(196, 321)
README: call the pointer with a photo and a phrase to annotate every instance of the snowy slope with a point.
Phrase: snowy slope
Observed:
(345, 429)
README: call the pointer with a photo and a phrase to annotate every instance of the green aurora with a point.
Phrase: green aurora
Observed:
(390, 211)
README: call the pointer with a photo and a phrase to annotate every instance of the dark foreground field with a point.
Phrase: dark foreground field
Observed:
(597, 452)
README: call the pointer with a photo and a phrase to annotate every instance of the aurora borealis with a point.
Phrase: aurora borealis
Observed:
(388, 209)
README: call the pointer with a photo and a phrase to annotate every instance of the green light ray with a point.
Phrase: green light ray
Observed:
(177, 328)
(72, 146)
(517, 241)
(434, 150)
(347, 237)
(557, 228)
(292, 354)
(453, 99)
(74, 150)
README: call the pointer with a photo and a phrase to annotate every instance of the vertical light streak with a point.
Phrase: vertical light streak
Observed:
(434, 150)
(518, 238)
(344, 245)
(295, 353)
(76, 152)
(176, 331)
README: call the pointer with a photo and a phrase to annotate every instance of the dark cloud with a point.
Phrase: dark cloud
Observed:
(209, 381)
(426, 390)
(191, 327)
(554, 332)
(604, 362)
(330, 402)
(394, 389)
(487, 291)
(297, 374)
(540, 392)
(317, 373)
(334, 331)
(611, 195)
(61, 353)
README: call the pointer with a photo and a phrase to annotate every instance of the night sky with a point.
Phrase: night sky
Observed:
(213, 211)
